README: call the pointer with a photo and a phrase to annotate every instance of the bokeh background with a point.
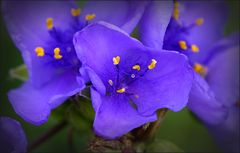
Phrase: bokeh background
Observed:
(181, 128)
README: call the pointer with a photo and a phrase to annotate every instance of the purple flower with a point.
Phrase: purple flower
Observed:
(223, 78)
(12, 136)
(195, 29)
(190, 28)
(43, 31)
(130, 81)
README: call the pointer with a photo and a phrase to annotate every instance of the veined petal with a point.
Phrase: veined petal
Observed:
(115, 116)
(203, 103)
(12, 136)
(34, 104)
(124, 14)
(154, 23)
(26, 22)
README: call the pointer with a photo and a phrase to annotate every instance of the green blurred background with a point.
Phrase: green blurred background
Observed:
(180, 128)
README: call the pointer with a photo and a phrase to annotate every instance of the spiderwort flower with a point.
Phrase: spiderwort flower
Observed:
(223, 78)
(12, 136)
(130, 81)
(43, 31)
(190, 28)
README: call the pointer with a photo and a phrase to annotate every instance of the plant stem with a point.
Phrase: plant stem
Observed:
(47, 135)
(148, 133)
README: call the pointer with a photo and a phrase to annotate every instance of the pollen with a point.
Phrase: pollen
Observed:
(200, 69)
(90, 17)
(57, 53)
(136, 67)
(122, 90)
(110, 82)
(152, 65)
(49, 23)
(199, 21)
(176, 11)
(40, 51)
(75, 12)
(195, 48)
(182, 45)
(116, 60)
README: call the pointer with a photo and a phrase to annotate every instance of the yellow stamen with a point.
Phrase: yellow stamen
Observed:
(182, 45)
(199, 21)
(200, 69)
(176, 11)
(49, 23)
(57, 53)
(122, 90)
(90, 17)
(152, 65)
(194, 48)
(116, 60)
(75, 12)
(110, 82)
(136, 67)
(40, 51)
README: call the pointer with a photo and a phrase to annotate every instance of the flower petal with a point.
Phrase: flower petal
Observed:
(154, 23)
(115, 116)
(124, 14)
(34, 104)
(223, 76)
(203, 103)
(26, 22)
(214, 14)
(12, 136)
(167, 85)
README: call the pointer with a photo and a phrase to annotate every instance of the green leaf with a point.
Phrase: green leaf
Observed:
(160, 145)
(19, 73)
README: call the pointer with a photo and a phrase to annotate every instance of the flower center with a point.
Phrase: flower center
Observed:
(124, 78)
(59, 49)
(176, 37)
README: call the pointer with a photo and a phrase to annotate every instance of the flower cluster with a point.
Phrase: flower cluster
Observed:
(180, 60)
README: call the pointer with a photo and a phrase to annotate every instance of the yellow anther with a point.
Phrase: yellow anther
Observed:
(116, 60)
(200, 69)
(57, 53)
(194, 48)
(199, 21)
(39, 51)
(182, 45)
(176, 11)
(133, 76)
(110, 82)
(136, 67)
(152, 65)
(90, 17)
(75, 12)
(122, 90)
(49, 23)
